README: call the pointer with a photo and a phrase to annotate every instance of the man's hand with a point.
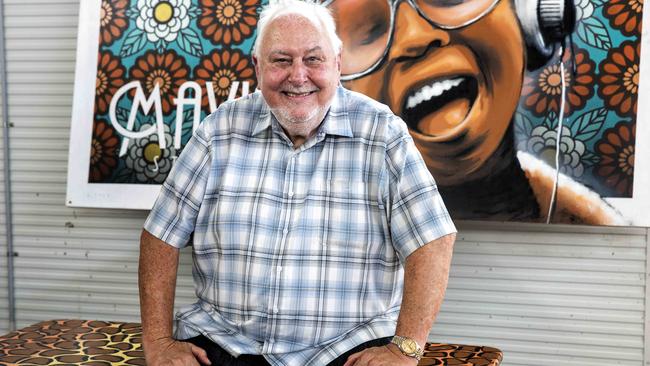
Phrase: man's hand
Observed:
(388, 355)
(170, 352)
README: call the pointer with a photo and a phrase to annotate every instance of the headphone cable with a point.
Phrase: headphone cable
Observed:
(560, 126)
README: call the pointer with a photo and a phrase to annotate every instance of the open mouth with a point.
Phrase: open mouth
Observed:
(298, 94)
(441, 104)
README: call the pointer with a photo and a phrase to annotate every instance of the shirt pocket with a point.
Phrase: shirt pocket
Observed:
(348, 216)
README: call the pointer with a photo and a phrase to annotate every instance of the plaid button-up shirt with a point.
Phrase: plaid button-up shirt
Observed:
(298, 252)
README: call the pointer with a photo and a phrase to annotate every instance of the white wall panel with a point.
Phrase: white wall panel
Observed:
(4, 290)
(561, 295)
(544, 295)
(4, 294)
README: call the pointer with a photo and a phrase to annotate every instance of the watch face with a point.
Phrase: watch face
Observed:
(409, 346)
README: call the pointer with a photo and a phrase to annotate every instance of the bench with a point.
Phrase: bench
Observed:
(94, 343)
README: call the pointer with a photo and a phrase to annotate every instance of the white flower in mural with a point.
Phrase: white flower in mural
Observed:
(584, 9)
(542, 143)
(163, 19)
(148, 161)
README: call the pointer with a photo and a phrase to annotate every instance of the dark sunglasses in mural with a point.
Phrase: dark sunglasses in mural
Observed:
(367, 39)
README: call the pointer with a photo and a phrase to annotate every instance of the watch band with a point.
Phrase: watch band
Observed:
(408, 346)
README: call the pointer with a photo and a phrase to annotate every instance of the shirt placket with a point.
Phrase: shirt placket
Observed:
(284, 226)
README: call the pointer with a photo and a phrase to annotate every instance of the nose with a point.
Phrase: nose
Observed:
(414, 35)
(298, 73)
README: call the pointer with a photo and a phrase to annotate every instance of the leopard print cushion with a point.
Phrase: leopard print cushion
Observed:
(73, 342)
(94, 343)
(460, 355)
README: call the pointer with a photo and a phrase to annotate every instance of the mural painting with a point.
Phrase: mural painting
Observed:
(478, 82)
(455, 74)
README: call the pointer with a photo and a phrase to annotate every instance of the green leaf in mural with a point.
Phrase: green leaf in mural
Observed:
(594, 33)
(590, 159)
(133, 43)
(523, 130)
(587, 125)
(189, 42)
(523, 125)
(132, 12)
(122, 115)
(194, 12)
(550, 120)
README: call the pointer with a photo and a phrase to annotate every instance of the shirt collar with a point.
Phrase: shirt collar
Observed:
(264, 121)
(336, 120)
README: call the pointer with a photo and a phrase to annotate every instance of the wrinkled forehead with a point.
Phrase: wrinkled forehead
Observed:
(294, 32)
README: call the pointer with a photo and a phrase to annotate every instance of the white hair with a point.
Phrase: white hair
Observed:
(314, 12)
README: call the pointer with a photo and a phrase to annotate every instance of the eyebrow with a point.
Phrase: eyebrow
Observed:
(285, 53)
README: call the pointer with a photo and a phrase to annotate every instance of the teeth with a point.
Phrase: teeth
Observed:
(434, 90)
(297, 94)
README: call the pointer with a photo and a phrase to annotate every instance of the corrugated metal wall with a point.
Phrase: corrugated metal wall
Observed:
(561, 295)
(558, 295)
(4, 295)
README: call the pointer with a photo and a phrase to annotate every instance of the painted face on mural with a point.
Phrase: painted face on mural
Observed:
(457, 89)
(298, 72)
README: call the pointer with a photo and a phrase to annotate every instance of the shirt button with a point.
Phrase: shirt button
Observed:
(291, 194)
(276, 310)
(279, 269)
(285, 231)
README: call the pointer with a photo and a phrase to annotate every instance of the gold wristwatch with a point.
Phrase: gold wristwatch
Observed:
(408, 347)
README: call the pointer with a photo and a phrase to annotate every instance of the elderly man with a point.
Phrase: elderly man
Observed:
(319, 236)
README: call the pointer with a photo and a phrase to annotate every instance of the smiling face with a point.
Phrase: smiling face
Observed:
(298, 72)
(457, 90)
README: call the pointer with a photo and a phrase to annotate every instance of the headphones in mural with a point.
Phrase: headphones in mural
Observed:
(546, 25)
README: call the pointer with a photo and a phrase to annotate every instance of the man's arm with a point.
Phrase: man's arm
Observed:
(157, 282)
(426, 273)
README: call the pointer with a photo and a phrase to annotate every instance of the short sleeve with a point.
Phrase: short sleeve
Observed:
(173, 216)
(417, 214)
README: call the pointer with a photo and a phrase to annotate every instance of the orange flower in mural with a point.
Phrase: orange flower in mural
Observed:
(616, 167)
(542, 91)
(625, 15)
(110, 77)
(113, 20)
(619, 79)
(103, 151)
(222, 68)
(168, 70)
(228, 21)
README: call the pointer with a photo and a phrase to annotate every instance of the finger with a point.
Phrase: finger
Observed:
(353, 359)
(364, 360)
(190, 360)
(200, 354)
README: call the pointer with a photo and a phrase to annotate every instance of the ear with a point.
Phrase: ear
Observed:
(257, 66)
(338, 63)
